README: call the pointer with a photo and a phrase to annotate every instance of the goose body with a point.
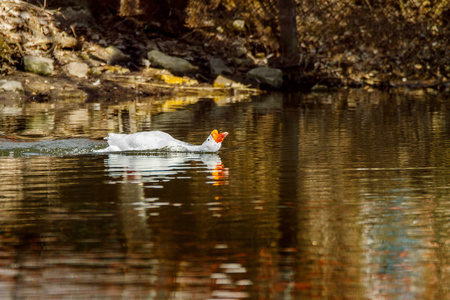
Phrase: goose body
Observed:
(158, 140)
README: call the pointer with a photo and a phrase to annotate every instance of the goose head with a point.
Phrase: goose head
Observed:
(214, 141)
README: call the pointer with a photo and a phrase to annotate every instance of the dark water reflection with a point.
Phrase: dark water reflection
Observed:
(342, 196)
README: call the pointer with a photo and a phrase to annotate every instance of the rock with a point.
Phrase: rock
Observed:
(223, 82)
(218, 67)
(241, 51)
(111, 55)
(10, 86)
(173, 64)
(68, 42)
(38, 65)
(145, 63)
(115, 54)
(270, 77)
(239, 25)
(77, 69)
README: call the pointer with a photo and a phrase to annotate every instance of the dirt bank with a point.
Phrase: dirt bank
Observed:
(113, 52)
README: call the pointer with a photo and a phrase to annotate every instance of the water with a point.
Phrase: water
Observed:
(326, 196)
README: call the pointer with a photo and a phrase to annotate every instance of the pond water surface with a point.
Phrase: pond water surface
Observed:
(325, 196)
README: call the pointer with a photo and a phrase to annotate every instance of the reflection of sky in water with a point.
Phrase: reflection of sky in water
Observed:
(157, 168)
(394, 248)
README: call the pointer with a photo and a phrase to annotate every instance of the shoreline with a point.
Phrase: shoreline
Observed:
(83, 55)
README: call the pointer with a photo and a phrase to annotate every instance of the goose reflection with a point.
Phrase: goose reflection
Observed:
(156, 168)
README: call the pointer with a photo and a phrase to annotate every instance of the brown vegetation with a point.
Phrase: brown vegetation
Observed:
(374, 42)
(354, 42)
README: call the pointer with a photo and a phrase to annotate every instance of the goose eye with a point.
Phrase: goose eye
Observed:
(209, 139)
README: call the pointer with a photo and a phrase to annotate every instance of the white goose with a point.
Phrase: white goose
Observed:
(158, 140)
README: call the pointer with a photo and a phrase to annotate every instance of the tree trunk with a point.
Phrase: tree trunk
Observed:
(288, 33)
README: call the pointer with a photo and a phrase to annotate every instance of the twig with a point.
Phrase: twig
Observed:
(187, 88)
(73, 31)
(32, 6)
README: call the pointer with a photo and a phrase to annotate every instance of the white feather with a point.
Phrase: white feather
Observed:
(155, 140)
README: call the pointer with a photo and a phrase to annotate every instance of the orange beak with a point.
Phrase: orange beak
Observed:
(218, 137)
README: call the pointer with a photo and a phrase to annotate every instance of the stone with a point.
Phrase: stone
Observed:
(218, 67)
(116, 54)
(145, 63)
(10, 86)
(239, 25)
(111, 54)
(265, 76)
(241, 51)
(68, 42)
(77, 69)
(173, 64)
(224, 82)
(38, 65)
